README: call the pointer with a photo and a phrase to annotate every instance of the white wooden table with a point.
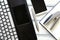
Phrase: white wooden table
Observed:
(43, 34)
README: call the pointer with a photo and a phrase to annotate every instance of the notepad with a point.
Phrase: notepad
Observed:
(55, 30)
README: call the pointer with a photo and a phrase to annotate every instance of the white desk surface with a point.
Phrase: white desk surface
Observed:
(43, 34)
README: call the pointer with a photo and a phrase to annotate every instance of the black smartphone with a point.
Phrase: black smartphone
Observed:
(38, 5)
(22, 20)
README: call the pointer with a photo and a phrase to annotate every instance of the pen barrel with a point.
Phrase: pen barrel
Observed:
(46, 19)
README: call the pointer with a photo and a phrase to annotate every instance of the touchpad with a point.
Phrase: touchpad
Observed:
(21, 15)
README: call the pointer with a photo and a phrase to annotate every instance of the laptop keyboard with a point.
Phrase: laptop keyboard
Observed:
(7, 31)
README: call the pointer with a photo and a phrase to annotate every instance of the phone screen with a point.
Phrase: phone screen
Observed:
(38, 5)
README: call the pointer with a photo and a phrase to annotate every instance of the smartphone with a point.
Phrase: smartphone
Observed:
(39, 6)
